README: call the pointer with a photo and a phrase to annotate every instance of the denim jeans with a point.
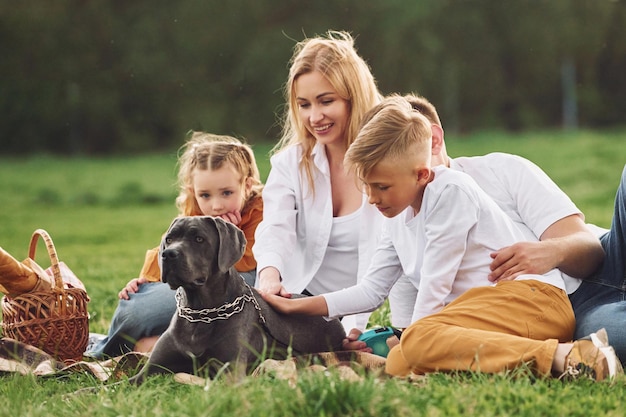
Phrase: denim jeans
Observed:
(600, 301)
(147, 312)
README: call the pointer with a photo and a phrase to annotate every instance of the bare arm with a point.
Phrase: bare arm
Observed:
(567, 244)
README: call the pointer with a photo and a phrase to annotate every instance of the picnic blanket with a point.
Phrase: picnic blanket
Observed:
(17, 357)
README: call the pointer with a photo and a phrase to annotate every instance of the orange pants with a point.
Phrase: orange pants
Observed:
(488, 329)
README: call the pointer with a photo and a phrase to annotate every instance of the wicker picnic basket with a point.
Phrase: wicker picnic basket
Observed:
(56, 320)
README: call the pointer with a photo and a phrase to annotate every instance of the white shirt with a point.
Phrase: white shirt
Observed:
(444, 250)
(525, 193)
(340, 260)
(297, 222)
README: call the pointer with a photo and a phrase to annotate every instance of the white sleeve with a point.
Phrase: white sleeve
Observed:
(279, 216)
(402, 297)
(373, 289)
(539, 201)
(447, 225)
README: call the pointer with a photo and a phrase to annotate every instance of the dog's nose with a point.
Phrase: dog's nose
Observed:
(169, 254)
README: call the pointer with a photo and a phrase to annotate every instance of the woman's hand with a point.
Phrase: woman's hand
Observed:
(131, 288)
(269, 282)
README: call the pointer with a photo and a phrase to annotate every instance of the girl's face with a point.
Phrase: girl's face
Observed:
(220, 191)
(324, 114)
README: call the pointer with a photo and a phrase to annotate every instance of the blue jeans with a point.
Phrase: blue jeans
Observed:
(147, 313)
(600, 301)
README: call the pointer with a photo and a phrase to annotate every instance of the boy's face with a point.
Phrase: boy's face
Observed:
(395, 184)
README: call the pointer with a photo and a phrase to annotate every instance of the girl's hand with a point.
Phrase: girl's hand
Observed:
(131, 288)
(233, 217)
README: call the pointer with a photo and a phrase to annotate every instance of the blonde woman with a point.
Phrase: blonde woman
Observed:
(318, 232)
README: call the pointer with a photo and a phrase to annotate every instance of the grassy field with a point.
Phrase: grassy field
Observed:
(104, 213)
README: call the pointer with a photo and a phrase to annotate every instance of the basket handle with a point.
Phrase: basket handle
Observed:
(52, 253)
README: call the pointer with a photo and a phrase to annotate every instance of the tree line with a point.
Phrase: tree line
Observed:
(115, 76)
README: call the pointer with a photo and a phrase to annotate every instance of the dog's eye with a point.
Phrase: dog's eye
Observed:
(199, 239)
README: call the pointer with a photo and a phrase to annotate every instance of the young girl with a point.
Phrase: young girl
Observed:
(218, 176)
(318, 232)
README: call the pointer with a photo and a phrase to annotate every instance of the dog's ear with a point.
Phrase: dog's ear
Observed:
(232, 244)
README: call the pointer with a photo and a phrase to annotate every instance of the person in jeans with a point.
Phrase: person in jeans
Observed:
(218, 176)
(441, 229)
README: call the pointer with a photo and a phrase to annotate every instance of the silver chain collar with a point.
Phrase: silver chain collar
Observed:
(223, 312)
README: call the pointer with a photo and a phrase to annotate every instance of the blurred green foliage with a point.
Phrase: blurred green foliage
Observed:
(93, 77)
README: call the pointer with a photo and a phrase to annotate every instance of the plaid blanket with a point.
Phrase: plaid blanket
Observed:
(17, 357)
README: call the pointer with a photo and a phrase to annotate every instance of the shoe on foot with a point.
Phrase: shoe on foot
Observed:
(593, 358)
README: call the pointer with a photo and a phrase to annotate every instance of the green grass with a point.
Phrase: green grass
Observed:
(104, 213)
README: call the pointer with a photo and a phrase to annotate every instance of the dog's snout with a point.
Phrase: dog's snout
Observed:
(169, 254)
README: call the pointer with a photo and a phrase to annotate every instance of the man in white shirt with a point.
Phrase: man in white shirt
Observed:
(556, 238)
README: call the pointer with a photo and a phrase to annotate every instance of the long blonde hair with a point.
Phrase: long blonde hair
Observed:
(208, 151)
(336, 58)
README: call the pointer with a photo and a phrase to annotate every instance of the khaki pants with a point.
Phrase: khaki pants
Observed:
(488, 329)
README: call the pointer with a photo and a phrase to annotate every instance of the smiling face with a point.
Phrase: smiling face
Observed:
(220, 191)
(320, 108)
(394, 184)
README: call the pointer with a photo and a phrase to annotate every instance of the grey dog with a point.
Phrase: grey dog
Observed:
(221, 322)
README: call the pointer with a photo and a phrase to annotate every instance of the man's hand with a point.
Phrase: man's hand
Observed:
(131, 288)
(520, 258)
(566, 244)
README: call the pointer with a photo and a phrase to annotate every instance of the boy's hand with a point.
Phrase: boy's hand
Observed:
(311, 306)
(131, 288)
(351, 342)
(278, 303)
